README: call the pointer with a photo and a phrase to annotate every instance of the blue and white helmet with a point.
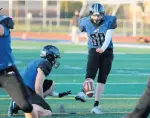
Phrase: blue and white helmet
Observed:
(97, 8)
(51, 53)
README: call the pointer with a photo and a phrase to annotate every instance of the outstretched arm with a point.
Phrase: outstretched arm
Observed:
(1, 30)
(60, 95)
(39, 82)
(49, 90)
(83, 10)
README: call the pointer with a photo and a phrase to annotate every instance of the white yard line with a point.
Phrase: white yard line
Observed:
(122, 74)
(134, 83)
(26, 47)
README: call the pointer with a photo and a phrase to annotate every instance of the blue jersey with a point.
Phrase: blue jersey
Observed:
(30, 72)
(96, 34)
(6, 57)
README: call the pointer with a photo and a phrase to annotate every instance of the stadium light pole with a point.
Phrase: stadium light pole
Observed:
(44, 13)
(10, 8)
(134, 17)
(29, 17)
(58, 13)
(26, 12)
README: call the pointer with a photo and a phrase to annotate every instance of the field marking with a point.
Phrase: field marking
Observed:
(139, 46)
(137, 83)
(86, 52)
(72, 98)
(26, 47)
(123, 74)
(75, 113)
(104, 95)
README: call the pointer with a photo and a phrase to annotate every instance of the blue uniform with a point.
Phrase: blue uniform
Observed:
(30, 72)
(6, 57)
(96, 34)
(12, 83)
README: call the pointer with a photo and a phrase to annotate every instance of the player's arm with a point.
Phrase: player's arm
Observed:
(60, 95)
(1, 30)
(4, 31)
(49, 89)
(83, 10)
(43, 70)
(108, 36)
(81, 22)
(39, 82)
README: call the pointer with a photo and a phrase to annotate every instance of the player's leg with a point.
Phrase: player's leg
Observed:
(13, 108)
(48, 88)
(36, 99)
(41, 107)
(105, 64)
(12, 83)
(142, 108)
(41, 111)
(92, 67)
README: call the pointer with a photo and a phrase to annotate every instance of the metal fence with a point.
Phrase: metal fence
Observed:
(125, 27)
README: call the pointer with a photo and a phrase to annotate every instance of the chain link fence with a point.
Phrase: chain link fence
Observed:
(125, 27)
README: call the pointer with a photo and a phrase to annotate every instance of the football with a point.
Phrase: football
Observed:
(88, 87)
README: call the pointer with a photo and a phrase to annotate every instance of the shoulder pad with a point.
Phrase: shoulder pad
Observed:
(7, 21)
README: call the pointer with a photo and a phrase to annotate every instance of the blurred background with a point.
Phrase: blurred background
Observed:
(56, 15)
(42, 22)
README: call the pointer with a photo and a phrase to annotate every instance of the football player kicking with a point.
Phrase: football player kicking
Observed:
(34, 78)
(99, 28)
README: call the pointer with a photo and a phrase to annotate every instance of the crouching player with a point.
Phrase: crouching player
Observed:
(34, 78)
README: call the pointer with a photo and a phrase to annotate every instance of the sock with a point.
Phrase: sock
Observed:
(99, 90)
(96, 103)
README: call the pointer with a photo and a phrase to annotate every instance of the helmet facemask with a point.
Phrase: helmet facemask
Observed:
(53, 59)
(97, 18)
(56, 63)
(97, 13)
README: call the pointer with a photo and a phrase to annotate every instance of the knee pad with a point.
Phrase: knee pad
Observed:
(27, 107)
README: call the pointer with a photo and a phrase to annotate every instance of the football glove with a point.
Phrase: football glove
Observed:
(64, 94)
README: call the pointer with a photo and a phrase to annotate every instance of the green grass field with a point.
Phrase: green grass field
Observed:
(125, 84)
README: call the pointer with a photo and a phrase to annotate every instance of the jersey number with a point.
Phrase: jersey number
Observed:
(98, 39)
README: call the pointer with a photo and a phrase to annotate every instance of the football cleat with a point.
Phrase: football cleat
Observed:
(96, 110)
(12, 109)
(81, 96)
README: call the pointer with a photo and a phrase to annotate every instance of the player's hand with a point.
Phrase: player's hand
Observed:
(99, 50)
(64, 94)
